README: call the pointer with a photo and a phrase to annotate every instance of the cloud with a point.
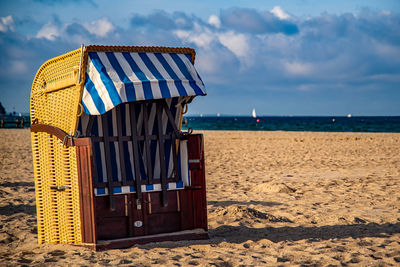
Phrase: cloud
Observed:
(6, 24)
(240, 52)
(162, 20)
(214, 21)
(279, 13)
(256, 22)
(49, 31)
(101, 27)
(237, 43)
(298, 68)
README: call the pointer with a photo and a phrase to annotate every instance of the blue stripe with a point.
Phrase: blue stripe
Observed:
(161, 80)
(185, 72)
(85, 109)
(132, 188)
(148, 94)
(179, 184)
(149, 187)
(196, 88)
(190, 60)
(108, 83)
(91, 89)
(101, 191)
(98, 163)
(129, 88)
(172, 74)
(117, 189)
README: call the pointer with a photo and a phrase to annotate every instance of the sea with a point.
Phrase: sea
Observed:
(385, 124)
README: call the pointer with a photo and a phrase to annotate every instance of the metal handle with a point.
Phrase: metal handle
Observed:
(60, 188)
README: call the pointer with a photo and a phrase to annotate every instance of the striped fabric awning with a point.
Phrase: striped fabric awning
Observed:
(113, 78)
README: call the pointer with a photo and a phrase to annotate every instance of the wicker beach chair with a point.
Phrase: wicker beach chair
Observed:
(112, 167)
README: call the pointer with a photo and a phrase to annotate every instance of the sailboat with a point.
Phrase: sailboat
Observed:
(253, 113)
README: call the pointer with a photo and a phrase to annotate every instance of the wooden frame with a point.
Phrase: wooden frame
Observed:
(127, 224)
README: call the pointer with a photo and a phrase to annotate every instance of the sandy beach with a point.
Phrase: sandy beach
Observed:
(274, 198)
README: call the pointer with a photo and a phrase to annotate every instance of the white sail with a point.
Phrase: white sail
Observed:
(253, 113)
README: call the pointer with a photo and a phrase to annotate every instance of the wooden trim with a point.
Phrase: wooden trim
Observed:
(121, 145)
(195, 234)
(57, 132)
(136, 153)
(107, 155)
(149, 169)
(84, 160)
(89, 126)
(170, 118)
(142, 49)
(161, 144)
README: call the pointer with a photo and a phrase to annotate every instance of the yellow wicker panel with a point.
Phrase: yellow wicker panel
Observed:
(55, 99)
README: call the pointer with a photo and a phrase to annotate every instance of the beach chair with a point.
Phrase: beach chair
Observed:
(111, 165)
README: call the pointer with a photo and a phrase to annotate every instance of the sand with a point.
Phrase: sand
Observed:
(274, 198)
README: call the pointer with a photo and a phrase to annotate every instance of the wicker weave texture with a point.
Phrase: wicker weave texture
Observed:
(58, 211)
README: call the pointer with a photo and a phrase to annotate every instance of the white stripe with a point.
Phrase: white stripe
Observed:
(172, 186)
(119, 85)
(94, 75)
(87, 100)
(126, 189)
(191, 70)
(184, 162)
(101, 144)
(175, 68)
(170, 82)
(131, 75)
(155, 88)
(116, 147)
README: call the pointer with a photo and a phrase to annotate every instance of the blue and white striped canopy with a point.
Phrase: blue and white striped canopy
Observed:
(113, 78)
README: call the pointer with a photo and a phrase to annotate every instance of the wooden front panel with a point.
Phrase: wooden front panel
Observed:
(85, 176)
(187, 209)
(198, 180)
(112, 223)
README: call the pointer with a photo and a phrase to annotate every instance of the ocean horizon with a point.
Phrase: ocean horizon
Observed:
(386, 124)
(294, 123)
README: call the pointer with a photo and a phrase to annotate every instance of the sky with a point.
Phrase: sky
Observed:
(300, 57)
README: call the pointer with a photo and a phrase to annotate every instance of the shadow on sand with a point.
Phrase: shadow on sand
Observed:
(241, 233)
(230, 202)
